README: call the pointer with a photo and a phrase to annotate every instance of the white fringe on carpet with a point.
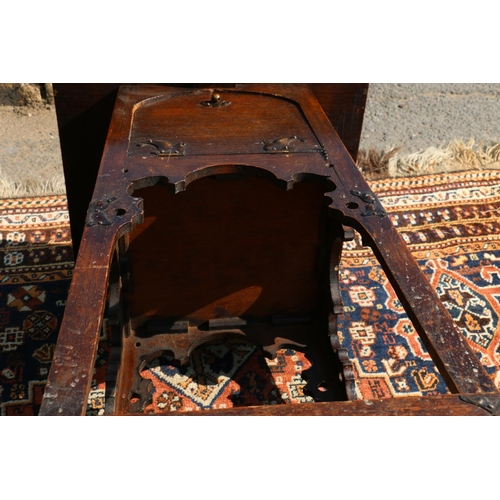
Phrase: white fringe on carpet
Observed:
(456, 156)
(31, 186)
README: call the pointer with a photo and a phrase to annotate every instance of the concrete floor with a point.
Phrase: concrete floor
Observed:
(29, 144)
(414, 116)
(419, 116)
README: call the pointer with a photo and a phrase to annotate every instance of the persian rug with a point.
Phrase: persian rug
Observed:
(36, 264)
(450, 222)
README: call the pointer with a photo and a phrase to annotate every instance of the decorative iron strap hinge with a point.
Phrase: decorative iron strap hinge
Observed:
(491, 404)
(373, 205)
(290, 145)
(164, 148)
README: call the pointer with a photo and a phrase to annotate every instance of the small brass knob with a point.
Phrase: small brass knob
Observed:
(215, 101)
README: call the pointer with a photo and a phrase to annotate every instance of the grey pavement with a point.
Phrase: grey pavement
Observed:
(29, 145)
(411, 116)
(419, 116)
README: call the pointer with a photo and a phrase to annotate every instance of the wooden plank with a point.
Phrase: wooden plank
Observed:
(70, 374)
(344, 104)
(445, 405)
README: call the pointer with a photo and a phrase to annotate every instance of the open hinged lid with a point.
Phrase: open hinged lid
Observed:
(213, 122)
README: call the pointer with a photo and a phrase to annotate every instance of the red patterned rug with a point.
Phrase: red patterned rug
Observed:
(451, 224)
(450, 221)
(36, 263)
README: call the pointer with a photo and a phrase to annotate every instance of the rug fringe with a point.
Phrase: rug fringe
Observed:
(31, 186)
(456, 156)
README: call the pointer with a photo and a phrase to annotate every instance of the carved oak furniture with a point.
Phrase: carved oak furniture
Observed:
(84, 113)
(221, 213)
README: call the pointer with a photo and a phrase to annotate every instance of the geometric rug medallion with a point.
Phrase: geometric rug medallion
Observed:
(451, 224)
(225, 375)
(36, 263)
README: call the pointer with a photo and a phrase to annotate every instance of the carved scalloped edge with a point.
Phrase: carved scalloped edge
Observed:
(179, 183)
(141, 386)
(348, 372)
(343, 356)
(338, 308)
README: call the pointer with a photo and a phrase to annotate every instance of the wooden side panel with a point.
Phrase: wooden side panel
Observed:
(83, 118)
(227, 248)
(344, 104)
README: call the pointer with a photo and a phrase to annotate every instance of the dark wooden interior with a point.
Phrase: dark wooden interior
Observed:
(195, 272)
(266, 283)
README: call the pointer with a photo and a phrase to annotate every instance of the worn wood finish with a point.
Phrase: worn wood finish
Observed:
(79, 333)
(344, 104)
(225, 241)
(444, 405)
(84, 115)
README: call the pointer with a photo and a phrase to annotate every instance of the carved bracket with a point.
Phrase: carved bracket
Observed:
(346, 374)
(164, 148)
(373, 205)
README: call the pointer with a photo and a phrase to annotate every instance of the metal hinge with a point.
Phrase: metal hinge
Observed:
(290, 145)
(373, 205)
(491, 404)
(112, 210)
(164, 148)
(103, 213)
